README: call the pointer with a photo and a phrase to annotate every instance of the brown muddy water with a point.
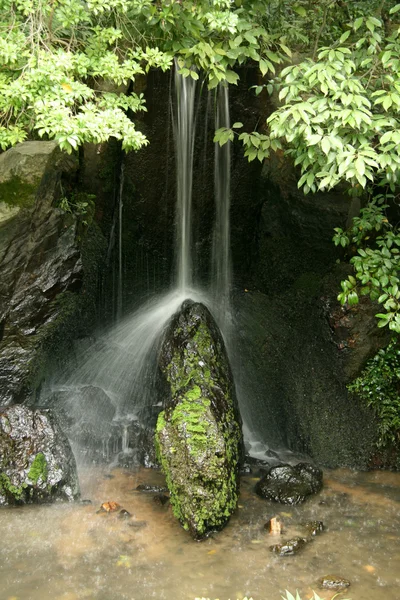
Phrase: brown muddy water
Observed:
(69, 552)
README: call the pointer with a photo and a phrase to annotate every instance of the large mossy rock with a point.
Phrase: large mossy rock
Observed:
(198, 436)
(36, 461)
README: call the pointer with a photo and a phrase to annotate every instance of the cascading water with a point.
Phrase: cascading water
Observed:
(221, 262)
(184, 131)
(120, 229)
(120, 366)
(121, 363)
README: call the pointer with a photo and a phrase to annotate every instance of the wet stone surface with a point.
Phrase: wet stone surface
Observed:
(289, 547)
(290, 485)
(332, 582)
(36, 461)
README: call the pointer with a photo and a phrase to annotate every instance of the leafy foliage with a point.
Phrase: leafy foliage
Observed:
(379, 386)
(339, 117)
(68, 65)
(376, 262)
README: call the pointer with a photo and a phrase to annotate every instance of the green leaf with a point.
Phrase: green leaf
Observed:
(237, 125)
(300, 10)
(357, 23)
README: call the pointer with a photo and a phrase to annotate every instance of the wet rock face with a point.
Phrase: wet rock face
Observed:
(198, 434)
(36, 461)
(290, 485)
(39, 261)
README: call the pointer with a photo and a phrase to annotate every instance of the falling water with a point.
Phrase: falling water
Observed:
(184, 131)
(120, 224)
(221, 263)
(121, 363)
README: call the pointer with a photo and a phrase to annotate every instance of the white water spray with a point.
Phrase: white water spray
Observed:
(184, 132)
(221, 261)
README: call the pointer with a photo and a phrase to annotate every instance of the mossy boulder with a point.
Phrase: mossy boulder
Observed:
(36, 461)
(198, 435)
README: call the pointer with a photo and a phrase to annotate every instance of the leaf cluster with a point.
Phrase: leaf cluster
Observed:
(376, 262)
(379, 386)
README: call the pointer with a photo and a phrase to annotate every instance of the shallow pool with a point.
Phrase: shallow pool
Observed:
(71, 552)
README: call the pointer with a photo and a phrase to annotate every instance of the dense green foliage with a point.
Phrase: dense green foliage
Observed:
(69, 66)
(375, 243)
(338, 120)
(379, 386)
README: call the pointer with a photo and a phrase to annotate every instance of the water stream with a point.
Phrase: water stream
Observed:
(69, 552)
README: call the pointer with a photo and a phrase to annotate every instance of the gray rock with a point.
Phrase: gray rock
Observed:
(198, 434)
(36, 461)
(290, 485)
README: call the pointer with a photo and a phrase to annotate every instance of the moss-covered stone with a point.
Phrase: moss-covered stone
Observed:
(36, 461)
(198, 435)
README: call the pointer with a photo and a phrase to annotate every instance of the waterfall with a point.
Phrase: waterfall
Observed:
(120, 225)
(221, 261)
(184, 132)
(121, 363)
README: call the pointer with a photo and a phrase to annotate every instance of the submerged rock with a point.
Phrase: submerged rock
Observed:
(289, 547)
(290, 485)
(332, 582)
(198, 435)
(36, 461)
(315, 527)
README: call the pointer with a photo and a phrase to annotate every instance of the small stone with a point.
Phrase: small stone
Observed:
(124, 514)
(315, 527)
(290, 547)
(274, 526)
(109, 507)
(85, 501)
(332, 582)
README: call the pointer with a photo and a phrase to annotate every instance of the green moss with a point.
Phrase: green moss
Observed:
(18, 193)
(38, 469)
(8, 489)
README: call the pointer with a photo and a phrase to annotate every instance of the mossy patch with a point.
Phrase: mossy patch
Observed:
(18, 193)
(38, 469)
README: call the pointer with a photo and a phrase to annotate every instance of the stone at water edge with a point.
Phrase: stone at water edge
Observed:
(36, 460)
(290, 485)
(198, 435)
